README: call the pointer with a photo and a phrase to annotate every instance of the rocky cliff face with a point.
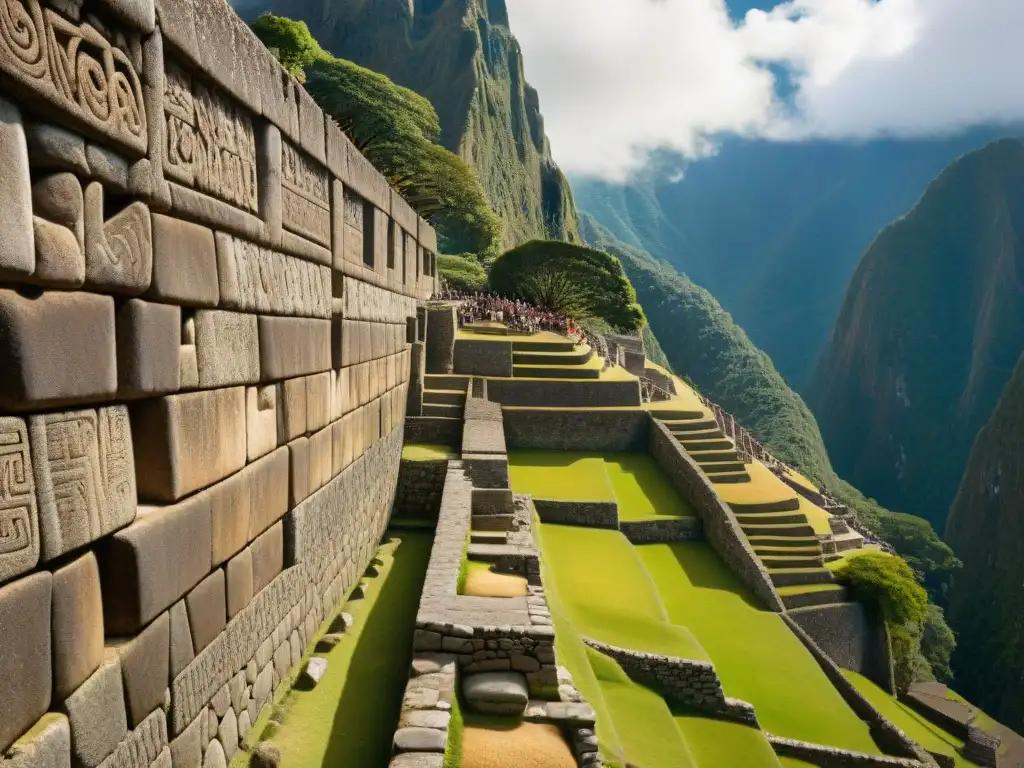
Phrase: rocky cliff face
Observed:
(462, 56)
(929, 332)
(986, 528)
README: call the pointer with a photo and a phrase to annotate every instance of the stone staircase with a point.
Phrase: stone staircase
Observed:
(444, 395)
(553, 360)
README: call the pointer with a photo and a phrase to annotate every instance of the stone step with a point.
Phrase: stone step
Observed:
(444, 381)
(496, 693)
(781, 529)
(765, 507)
(728, 477)
(791, 577)
(701, 444)
(791, 561)
(449, 411)
(561, 713)
(488, 537)
(784, 540)
(774, 518)
(492, 522)
(713, 457)
(576, 357)
(543, 346)
(689, 424)
(444, 397)
(792, 598)
(716, 467)
(554, 372)
(845, 541)
(712, 433)
(778, 550)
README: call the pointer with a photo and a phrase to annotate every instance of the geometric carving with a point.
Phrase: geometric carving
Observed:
(118, 251)
(85, 475)
(355, 209)
(74, 68)
(305, 196)
(19, 526)
(210, 141)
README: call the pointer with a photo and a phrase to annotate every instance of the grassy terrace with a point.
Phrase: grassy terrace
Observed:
(428, 452)
(350, 717)
(758, 659)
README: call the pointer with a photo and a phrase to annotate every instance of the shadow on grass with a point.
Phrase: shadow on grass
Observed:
(706, 570)
(652, 484)
(371, 700)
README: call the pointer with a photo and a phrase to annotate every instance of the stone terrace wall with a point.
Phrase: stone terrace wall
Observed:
(721, 528)
(585, 430)
(553, 393)
(419, 489)
(204, 295)
(591, 514)
(662, 531)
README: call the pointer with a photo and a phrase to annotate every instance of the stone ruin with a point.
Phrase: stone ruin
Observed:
(205, 292)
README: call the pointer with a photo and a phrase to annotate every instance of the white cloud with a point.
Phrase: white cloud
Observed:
(619, 78)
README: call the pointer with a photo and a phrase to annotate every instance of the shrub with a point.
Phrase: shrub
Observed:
(463, 273)
(290, 41)
(577, 281)
(886, 582)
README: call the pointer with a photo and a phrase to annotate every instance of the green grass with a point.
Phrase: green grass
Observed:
(560, 475)
(453, 749)
(642, 489)
(350, 717)
(927, 734)
(757, 657)
(795, 762)
(723, 742)
(607, 594)
(428, 452)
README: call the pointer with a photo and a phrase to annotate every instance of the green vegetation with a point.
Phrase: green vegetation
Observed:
(756, 655)
(560, 475)
(463, 273)
(350, 717)
(427, 452)
(572, 279)
(453, 749)
(397, 130)
(723, 742)
(642, 489)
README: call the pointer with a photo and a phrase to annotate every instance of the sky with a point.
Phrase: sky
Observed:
(620, 78)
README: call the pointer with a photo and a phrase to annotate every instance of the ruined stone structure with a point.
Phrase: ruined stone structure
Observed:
(205, 292)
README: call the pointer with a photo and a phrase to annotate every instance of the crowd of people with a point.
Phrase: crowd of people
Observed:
(515, 314)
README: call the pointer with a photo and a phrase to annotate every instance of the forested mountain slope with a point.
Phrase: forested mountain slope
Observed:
(929, 332)
(462, 56)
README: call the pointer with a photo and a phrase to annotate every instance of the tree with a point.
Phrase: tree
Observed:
(290, 41)
(577, 281)
(463, 273)
(938, 643)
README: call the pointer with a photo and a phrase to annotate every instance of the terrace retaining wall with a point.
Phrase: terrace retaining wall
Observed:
(483, 358)
(584, 430)
(420, 484)
(554, 393)
(440, 343)
(834, 757)
(721, 528)
(662, 531)
(589, 514)
(205, 298)
(438, 430)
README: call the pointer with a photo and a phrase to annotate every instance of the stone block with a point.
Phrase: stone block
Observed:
(25, 632)
(239, 582)
(59, 259)
(298, 487)
(148, 348)
(189, 441)
(84, 473)
(230, 515)
(57, 348)
(497, 693)
(293, 346)
(52, 147)
(291, 409)
(145, 668)
(46, 745)
(96, 715)
(321, 458)
(261, 420)
(145, 747)
(417, 739)
(318, 401)
(17, 249)
(184, 263)
(269, 491)
(207, 611)
(227, 348)
(146, 567)
(311, 126)
(140, 14)
(267, 557)
(187, 748)
(181, 653)
(19, 517)
(77, 616)
(119, 249)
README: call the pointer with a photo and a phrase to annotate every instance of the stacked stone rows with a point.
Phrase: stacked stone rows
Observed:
(204, 296)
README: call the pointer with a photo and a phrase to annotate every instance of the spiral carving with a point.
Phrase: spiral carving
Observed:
(21, 33)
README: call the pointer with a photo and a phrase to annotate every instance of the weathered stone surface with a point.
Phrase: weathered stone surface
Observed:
(227, 734)
(257, 279)
(181, 639)
(184, 263)
(187, 442)
(96, 714)
(265, 755)
(321, 457)
(291, 410)
(140, 14)
(77, 616)
(239, 582)
(59, 259)
(261, 420)
(298, 452)
(498, 693)
(417, 760)
(58, 348)
(267, 557)
(413, 739)
(269, 491)
(231, 511)
(118, 250)
(207, 614)
(148, 348)
(293, 346)
(144, 668)
(149, 565)
(314, 672)
(145, 746)
(214, 757)
(227, 348)
(50, 146)
(19, 519)
(425, 718)
(17, 250)
(107, 167)
(305, 190)
(187, 748)
(46, 745)
(318, 401)
(26, 684)
(85, 477)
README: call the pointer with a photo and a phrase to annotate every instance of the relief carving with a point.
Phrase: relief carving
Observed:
(267, 281)
(210, 141)
(19, 532)
(85, 474)
(118, 250)
(75, 68)
(305, 196)
(354, 213)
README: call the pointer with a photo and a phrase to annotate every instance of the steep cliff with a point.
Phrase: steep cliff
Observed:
(986, 528)
(929, 332)
(462, 56)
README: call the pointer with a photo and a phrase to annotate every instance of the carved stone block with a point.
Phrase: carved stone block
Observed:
(298, 457)
(227, 348)
(293, 346)
(267, 557)
(17, 253)
(184, 263)
(118, 250)
(210, 143)
(46, 745)
(305, 196)
(239, 582)
(291, 409)
(355, 209)
(85, 476)
(96, 713)
(207, 614)
(148, 348)
(321, 458)
(269, 491)
(141, 14)
(261, 420)
(230, 510)
(19, 521)
(318, 401)
(144, 667)
(26, 684)
(50, 146)
(82, 75)
(59, 226)
(77, 624)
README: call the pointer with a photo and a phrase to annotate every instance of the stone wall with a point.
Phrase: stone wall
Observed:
(483, 357)
(440, 345)
(585, 430)
(419, 489)
(554, 393)
(851, 639)
(721, 528)
(662, 531)
(439, 430)
(834, 757)
(591, 514)
(203, 312)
